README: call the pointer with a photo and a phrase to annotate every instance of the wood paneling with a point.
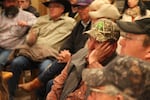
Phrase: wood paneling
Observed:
(39, 6)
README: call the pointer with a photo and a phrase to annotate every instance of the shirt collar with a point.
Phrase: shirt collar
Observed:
(85, 24)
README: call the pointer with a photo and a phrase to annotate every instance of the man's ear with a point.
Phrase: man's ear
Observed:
(119, 97)
(147, 56)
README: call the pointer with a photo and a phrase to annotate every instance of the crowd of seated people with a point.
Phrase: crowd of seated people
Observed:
(73, 36)
(75, 42)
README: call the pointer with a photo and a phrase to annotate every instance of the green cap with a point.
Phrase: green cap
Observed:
(103, 30)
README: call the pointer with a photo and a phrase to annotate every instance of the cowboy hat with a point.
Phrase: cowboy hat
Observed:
(65, 3)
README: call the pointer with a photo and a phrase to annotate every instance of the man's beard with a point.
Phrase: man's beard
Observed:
(11, 11)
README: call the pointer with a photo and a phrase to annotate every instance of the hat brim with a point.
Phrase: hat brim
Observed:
(46, 3)
(65, 3)
(130, 27)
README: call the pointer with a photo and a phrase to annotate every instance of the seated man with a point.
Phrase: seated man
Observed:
(43, 41)
(125, 78)
(135, 39)
(14, 24)
(68, 85)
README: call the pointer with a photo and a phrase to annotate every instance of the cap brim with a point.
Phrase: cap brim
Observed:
(130, 27)
(82, 4)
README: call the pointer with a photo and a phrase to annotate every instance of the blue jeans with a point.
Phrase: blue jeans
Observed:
(49, 86)
(20, 64)
(51, 72)
(4, 53)
(47, 76)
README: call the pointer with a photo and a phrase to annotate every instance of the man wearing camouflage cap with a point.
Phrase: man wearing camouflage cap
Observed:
(68, 85)
(125, 78)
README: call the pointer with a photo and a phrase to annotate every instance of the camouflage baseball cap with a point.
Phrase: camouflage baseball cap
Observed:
(128, 74)
(104, 29)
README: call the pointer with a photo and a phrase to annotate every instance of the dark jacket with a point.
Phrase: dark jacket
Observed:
(77, 39)
(33, 11)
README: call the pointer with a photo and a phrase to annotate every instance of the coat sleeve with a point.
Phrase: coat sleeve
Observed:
(58, 83)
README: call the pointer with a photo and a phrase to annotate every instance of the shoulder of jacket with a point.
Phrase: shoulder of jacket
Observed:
(25, 13)
(68, 19)
(44, 17)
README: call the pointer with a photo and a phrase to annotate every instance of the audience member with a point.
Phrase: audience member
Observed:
(43, 41)
(125, 78)
(136, 38)
(26, 5)
(74, 10)
(75, 42)
(13, 28)
(68, 85)
(133, 10)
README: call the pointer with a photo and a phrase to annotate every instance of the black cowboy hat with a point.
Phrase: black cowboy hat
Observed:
(65, 3)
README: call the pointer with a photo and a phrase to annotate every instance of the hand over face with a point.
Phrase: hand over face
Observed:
(101, 51)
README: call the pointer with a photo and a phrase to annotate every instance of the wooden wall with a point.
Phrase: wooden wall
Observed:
(39, 6)
(43, 10)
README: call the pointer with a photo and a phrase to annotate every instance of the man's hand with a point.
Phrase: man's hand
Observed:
(22, 23)
(64, 56)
